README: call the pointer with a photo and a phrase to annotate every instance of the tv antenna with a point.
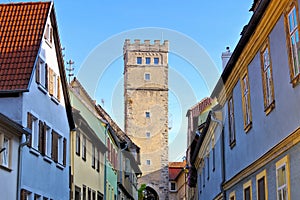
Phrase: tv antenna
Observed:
(70, 69)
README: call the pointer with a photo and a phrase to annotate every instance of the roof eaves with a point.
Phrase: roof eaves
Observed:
(249, 30)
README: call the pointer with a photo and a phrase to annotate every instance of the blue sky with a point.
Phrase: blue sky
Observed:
(87, 26)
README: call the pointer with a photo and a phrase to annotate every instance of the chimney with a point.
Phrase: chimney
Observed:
(225, 57)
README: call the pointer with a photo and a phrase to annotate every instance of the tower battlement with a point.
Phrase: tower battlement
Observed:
(137, 45)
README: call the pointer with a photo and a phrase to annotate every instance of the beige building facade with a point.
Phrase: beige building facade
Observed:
(146, 110)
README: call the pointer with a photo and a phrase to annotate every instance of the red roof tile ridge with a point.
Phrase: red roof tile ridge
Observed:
(26, 3)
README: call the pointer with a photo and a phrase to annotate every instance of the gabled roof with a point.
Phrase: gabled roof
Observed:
(175, 168)
(21, 31)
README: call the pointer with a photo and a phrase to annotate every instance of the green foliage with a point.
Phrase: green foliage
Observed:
(140, 191)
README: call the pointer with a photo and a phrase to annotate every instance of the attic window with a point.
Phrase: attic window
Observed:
(49, 34)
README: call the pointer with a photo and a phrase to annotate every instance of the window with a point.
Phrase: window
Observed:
(41, 73)
(156, 61)
(147, 114)
(48, 140)
(37, 197)
(207, 159)
(246, 103)
(94, 195)
(232, 196)
(33, 124)
(247, 190)
(49, 34)
(261, 186)
(231, 122)
(83, 148)
(147, 76)
(97, 161)
(93, 156)
(173, 186)
(83, 192)
(77, 193)
(148, 162)
(148, 59)
(25, 194)
(89, 194)
(139, 60)
(78, 143)
(266, 70)
(148, 134)
(282, 179)
(54, 84)
(54, 154)
(292, 20)
(6, 152)
(214, 159)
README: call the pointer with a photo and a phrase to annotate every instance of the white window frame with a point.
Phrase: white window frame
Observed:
(35, 133)
(48, 141)
(175, 185)
(5, 155)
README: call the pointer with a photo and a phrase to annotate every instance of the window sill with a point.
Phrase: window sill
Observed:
(60, 166)
(5, 168)
(54, 100)
(248, 127)
(270, 107)
(34, 152)
(42, 88)
(296, 80)
(48, 159)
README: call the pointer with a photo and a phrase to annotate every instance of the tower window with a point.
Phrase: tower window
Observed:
(148, 134)
(156, 61)
(148, 59)
(139, 60)
(147, 76)
(147, 114)
(148, 162)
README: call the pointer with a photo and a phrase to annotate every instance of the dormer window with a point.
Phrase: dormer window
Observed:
(49, 34)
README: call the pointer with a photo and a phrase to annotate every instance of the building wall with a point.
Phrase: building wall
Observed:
(36, 168)
(8, 188)
(272, 127)
(148, 96)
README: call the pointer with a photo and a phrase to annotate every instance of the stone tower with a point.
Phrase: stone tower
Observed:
(146, 110)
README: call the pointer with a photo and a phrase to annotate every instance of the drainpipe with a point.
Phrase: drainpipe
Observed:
(222, 154)
(19, 175)
(105, 157)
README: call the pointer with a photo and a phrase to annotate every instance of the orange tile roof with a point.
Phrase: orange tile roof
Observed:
(21, 30)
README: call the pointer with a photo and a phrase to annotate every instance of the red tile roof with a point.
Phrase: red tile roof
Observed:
(175, 168)
(21, 30)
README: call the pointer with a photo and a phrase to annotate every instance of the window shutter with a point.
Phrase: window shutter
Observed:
(51, 82)
(29, 126)
(23, 195)
(65, 152)
(46, 76)
(54, 154)
(51, 35)
(44, 136)
(58, 88)
(41, 129)
(37, 72)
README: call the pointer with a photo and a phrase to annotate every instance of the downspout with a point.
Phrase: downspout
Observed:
(19, 175)
(105, 157)
(222, 154)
